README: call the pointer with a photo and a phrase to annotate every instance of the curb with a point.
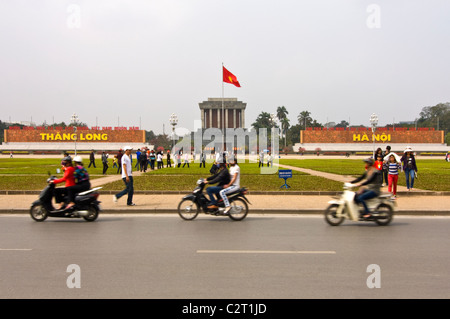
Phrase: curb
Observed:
(269, 193)
(311, 211)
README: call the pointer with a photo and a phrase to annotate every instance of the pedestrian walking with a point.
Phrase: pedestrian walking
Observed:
(152, 159)
(202, 159)
(92, 159)
(393, 168)
(126, 177)
(143, 160)
(169, 162)
(270, 160)
(380, 165)
(178, 157)
(186, 159)
(119, 161)
(105, 162)
(138, 160)
(261, 159)
(409, 167)
(385, 168)
(159, 160)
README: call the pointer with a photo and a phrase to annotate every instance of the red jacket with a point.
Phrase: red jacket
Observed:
(378, 165)
(67, 177)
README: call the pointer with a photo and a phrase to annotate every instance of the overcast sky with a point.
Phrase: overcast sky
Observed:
(132, 63)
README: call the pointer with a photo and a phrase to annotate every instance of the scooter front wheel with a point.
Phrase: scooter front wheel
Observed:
(384, 215)
(187, 209)
(38, 212)
(331, 215)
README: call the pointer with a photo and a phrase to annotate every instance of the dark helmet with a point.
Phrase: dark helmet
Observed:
(66, 159)
(370, 161)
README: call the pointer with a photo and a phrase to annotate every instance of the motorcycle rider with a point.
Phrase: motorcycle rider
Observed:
(69, 180)
(222, 177)
(370, 185)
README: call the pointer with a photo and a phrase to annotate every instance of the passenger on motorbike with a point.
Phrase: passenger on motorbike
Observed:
(82, 182)
(235, 173)
(222, 177)
(369, 187)
(68, 178)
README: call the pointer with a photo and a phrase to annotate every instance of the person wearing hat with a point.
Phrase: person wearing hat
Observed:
(370, 185)
(409, 167)
(126, 177)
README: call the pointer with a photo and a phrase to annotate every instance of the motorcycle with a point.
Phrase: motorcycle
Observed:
(345, 207)
(191, 205)
(86, 205)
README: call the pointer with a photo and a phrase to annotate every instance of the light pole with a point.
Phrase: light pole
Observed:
(173, 120)
(74, 121)
(374, 123)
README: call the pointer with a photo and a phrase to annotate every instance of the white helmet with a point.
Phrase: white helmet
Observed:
(78, 159)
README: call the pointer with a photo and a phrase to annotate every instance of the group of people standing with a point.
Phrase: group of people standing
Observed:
(269, 159)
(146, 158)
(390, 164)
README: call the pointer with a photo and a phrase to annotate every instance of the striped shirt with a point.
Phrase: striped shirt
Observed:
(393, 168)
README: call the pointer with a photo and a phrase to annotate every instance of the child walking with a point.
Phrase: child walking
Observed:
(393, 169)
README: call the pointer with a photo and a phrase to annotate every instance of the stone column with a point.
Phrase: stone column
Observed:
(219, 119)
(202, 118)
(210, 117)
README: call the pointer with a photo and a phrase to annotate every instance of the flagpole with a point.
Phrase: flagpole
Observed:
(223, 116)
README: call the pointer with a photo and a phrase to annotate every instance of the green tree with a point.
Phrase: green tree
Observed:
(343, 124)
(264, 120)
(437, 116)
(305, 120)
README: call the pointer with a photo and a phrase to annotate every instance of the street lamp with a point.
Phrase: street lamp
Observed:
(173, 120)
(374, 123)
(74, 121)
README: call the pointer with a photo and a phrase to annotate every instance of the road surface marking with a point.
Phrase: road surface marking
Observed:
(15, 249)
(266, 252)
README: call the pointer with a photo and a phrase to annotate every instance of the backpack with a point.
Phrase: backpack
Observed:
(81, 174)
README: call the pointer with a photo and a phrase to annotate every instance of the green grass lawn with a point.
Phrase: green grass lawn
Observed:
(31, 174)
(252, 182)
(433, 175)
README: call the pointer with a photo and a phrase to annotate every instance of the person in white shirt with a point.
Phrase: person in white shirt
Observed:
(126, 177)
(159, 160)
(186, 159)
(235, 173)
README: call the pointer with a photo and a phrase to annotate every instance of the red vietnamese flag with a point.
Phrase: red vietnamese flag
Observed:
(229, 77)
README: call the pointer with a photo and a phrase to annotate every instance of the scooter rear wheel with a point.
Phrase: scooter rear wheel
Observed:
(38, 212)
(239, 209)
(384, 215)
(187, 209)
(330, 215)
(92, 214)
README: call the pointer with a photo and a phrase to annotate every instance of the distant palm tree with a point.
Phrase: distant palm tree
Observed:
(282, 117)
(281, 113)
(284, 128)
(304, 118)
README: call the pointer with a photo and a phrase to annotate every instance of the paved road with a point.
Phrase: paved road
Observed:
(264, 256)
